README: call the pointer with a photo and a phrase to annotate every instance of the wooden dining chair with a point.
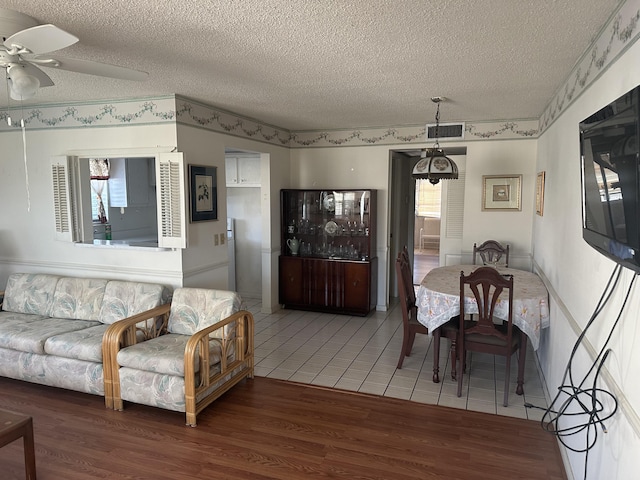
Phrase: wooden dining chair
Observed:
(490, 334)
(407, 295)
(490, 253)
(448, 330)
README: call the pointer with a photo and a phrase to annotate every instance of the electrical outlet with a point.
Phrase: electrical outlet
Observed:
(222, 236)
(216, 241)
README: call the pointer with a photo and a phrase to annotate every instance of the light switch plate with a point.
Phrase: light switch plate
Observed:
(215, 239)
(222, 235)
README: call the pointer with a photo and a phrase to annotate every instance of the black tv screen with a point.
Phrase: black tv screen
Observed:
(610, 162)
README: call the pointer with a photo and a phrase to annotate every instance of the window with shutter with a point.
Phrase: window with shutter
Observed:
(64, 205)
(70, 194)
(171, 200)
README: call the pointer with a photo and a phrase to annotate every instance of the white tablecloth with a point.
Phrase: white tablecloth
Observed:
(438, 299)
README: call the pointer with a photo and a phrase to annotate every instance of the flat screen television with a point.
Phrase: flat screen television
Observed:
(610, 162)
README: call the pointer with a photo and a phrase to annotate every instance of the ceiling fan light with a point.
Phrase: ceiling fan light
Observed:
(21, 84)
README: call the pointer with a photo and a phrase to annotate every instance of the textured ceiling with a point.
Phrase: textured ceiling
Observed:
(323, 64)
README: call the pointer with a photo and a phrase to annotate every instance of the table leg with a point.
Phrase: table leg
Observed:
(29, 451)
(436, 355)
(522, 355)
(12, 427)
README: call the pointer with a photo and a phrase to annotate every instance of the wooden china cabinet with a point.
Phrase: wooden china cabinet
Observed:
(328, 260)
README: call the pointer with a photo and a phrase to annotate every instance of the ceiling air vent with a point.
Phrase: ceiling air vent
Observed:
(449, 131)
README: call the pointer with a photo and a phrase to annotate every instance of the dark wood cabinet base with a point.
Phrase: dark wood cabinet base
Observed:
(319, 284)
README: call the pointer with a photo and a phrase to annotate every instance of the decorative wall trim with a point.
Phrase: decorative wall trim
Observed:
(97, 114)
(411, 134)
(205, 268)
(91, 270)
(176, 109)
(620, 32)
(199, 115)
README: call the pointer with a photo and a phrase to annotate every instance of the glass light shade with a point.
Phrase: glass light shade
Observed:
(21, 84)
(434, 165)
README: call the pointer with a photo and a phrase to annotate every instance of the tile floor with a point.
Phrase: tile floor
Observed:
(361, 353)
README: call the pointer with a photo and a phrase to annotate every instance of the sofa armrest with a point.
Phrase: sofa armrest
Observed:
(126, 332)
(237, 341)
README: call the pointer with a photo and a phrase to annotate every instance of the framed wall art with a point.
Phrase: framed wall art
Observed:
(203, 190)
(501, 192)
(540, 193)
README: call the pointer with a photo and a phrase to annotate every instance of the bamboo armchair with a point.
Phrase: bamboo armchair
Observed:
(154, 361)
(127, 332)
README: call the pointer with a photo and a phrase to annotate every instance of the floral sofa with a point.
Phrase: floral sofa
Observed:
(203, 348)
(52, 327)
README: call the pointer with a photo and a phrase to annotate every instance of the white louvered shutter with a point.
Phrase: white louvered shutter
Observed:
(455, 207)
(172, 229)
(65, 212)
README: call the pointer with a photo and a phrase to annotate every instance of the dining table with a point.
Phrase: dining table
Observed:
(438, 299)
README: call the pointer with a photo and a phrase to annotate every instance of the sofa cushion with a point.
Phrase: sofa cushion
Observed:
(11, 317)
(78, 298)
(83, 344)
(164, 354)
(30, 293)
(194, 309)
(31, 336)
(123, 299)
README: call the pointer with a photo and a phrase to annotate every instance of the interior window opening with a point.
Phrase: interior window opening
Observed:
(144, 200)
(122, 197)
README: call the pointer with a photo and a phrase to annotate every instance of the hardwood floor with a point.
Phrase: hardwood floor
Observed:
(270, 429)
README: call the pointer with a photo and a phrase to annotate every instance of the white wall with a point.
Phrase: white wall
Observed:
(27, 233)
(27, 221)
(577, 275)
(206, 264)
(369, 167)
(351, 168)
(500, 157)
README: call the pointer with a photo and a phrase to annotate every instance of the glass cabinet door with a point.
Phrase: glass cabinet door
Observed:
(338, 224)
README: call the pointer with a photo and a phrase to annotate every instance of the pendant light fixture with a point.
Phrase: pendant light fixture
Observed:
(434, 165)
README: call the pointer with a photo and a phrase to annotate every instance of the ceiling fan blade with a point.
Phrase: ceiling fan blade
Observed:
(95, 68)
(45, 80)
(41, 39)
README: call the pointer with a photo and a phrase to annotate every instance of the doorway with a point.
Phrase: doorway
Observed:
(427, 206)
(244, 221)
(404, 227)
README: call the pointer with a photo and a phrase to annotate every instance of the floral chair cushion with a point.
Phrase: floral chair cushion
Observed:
(30, 293)
(164, 354)
(193, 309)
(78, 298)
(155, 389)
(123, 299)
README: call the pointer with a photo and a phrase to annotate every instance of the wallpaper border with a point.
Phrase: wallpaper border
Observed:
(621, 31)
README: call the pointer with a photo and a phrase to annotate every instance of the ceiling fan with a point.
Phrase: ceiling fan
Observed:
(26, 47)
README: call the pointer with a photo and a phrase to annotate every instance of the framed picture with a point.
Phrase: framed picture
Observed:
(540, 193)
(203, 191)
(501, 192)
